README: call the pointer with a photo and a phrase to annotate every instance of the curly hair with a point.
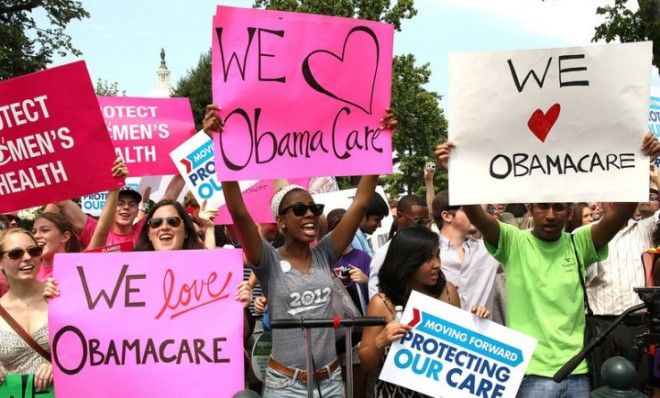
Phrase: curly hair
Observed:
(190, 242)
(408, 250)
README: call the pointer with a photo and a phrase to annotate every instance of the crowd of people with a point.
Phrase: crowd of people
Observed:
(538, 268)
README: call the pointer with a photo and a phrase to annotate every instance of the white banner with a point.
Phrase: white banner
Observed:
(452, 353)
(549, 125)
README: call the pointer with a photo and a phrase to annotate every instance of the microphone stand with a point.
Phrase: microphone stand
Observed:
(572, 363)
(308, 324)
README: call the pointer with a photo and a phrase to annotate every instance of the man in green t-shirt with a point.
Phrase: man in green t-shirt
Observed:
(545, 298)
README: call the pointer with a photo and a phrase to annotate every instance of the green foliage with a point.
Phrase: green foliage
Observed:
(422, 126)
(107, 89)
(27, 47)
(375, 10)
(196, 85)
(628, 26)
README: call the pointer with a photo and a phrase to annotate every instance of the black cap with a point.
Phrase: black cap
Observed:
(127, 190)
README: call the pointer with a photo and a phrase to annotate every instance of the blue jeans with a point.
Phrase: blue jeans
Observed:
(278, 385)
(545, 387)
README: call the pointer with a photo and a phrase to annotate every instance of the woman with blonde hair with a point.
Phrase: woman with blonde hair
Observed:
(24, 307)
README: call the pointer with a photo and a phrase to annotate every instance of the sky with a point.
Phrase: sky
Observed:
(121, 41)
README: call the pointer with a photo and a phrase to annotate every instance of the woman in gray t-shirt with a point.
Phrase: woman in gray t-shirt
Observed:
(297, 281)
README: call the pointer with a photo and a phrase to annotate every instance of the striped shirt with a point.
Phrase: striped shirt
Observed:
(610, 283)
(475, 277)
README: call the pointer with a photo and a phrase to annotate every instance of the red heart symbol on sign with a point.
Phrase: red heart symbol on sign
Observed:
(540, 123)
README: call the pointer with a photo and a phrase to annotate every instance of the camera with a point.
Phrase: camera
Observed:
(430, 166)
(344, 271)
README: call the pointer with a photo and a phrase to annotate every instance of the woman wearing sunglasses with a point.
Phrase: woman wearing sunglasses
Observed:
(168, 227)
(20, 258)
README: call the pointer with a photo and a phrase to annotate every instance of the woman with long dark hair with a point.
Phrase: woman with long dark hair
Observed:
(412, 263)
(168, 227)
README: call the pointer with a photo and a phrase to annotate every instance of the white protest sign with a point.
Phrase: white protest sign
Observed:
(343, 199)
(195, 160)
(550, 125)
(93, 204)
(451, 353)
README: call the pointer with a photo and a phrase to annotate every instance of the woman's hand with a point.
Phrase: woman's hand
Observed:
(480, 311)
(244, 293)
(119, 168)
(357, 275)
(389, 121)
(212, 121)
(43, 377)
(50, 288)
(260, 304)
(393, 331)
(207, 215)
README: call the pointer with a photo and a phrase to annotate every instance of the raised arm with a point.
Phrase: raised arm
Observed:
(620, 213)
(102, 230)
(486, 224)
(345, 229)
(248, 233)
(343, 234)
(615, 218)
(73, 213)
(429, 173)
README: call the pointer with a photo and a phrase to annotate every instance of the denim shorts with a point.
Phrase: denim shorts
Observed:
(279, 385)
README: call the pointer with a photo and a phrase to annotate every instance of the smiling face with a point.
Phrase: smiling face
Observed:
(162, 234)
(49, 237)
(300, 228)
(24, 267)
(127, 210)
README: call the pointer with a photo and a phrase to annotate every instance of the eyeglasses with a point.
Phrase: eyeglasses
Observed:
(15, 254)
(547, 206)
(158, 221)
(418, 221)
(300, 209)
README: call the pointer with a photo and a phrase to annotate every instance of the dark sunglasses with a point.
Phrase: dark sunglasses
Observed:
(299, 209)
(15, 254)
(158, 221)
(418, 221)
(555, 206)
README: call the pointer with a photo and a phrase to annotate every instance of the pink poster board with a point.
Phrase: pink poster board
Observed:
(54, 142)
(145, 130)
(257, 199)
(141, 324)
(302, 95)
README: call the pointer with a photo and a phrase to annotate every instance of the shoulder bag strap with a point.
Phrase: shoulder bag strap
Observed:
(584, 288)
(24, 334)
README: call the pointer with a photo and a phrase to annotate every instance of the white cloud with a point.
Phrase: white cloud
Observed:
(572, 21)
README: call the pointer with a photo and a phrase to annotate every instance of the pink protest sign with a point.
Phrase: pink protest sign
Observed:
(162, 324)
(53, 142)
(145, 130)
(257, 199)
(301, 95)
